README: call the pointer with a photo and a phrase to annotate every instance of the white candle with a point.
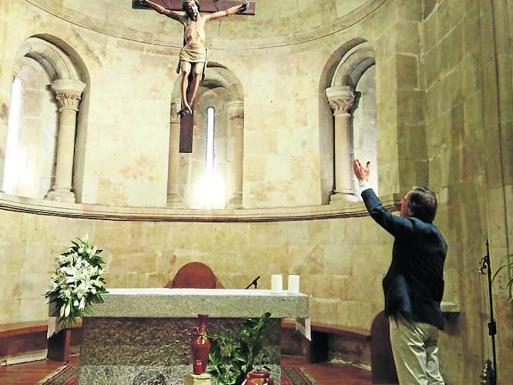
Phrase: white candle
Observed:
(293, 286)
(276, 283)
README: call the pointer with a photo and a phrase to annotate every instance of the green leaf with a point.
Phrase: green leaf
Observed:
(232, 356)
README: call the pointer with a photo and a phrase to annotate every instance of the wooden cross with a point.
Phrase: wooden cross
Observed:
(187, 121)
(205, 5)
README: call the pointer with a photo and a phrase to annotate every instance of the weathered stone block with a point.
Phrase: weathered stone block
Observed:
(455, 46)
(407, 70)
(10, 307)
(338, 259)
(409, 10)
(428, 6)
(408, 37)
(443, 25)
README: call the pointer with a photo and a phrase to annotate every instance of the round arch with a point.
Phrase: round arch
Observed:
(338, 100)
(68, 78)
(221, 88)
(353, 65)
(57, 64)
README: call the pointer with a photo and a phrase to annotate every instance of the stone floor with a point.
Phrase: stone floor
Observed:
(325, 374)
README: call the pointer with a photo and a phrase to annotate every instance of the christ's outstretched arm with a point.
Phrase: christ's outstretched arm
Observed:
(230, 11)
(164, 11)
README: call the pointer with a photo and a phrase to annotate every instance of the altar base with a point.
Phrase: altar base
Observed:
(143, 336)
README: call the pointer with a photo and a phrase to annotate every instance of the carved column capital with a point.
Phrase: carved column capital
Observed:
(237, 118)
(340, 99)
(235, 112)
(68, 93)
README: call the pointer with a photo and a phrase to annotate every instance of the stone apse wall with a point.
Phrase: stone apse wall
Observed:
(466, 66)
(442, 120)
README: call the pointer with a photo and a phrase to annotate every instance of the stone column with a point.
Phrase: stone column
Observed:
(235, 113)
(68, 94)
(174, 199)
(341, 99)
(4, 130)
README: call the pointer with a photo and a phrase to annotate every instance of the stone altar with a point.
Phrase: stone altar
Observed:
(143, 336)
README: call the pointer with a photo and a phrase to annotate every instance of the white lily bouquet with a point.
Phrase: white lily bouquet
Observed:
(77, 282)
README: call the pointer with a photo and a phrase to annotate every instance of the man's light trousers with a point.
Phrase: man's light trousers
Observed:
(415, 349)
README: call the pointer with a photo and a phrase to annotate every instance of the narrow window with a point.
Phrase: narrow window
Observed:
(11, 163)
(210, 141)
(210, 192)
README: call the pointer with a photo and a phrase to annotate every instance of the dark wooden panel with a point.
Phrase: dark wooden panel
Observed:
(29, 373)
(195, 275)
(59, 346)
(140, 4)
(186, 131)
(333, 329)
(206, 5)
(317, 350)
(13, 346)
(382, 360)
(24, 337)
(20, 328)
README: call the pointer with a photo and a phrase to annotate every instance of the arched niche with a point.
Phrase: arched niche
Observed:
(43, 121)
(190, 183)
(348, 117)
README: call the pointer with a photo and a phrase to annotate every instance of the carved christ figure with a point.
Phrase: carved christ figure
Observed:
(193, 55)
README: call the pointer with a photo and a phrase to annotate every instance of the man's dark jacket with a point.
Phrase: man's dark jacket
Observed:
(414, 284)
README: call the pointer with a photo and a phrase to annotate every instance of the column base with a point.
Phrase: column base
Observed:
(175, 202)
(198, 379)
(236, 201)
(61, 195)
(343, 196)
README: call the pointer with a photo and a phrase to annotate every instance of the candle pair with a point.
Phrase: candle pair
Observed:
(277, 284)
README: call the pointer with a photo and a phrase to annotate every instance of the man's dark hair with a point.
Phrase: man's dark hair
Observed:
(422, 203)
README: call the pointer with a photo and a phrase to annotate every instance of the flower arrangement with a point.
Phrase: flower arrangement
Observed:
(77, 282)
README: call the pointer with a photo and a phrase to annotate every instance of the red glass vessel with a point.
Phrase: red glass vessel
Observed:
(200, 346)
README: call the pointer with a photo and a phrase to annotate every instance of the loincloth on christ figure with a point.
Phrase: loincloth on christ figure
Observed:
(193, 55)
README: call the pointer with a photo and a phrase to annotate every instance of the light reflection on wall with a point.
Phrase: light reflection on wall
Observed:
(210, 190)
(14, 160)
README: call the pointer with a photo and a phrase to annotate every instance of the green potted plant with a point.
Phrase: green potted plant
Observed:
(232, 357)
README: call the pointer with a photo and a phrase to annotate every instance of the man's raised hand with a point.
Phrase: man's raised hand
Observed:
(362, 173)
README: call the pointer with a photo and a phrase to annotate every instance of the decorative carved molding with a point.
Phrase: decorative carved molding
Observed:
(68, 100)
(313, 34)
(126, 214)
(237, 118)
(341, 105)
(68, 93)
(340, 99)
(235, 111)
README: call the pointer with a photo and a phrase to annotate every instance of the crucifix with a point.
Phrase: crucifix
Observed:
(193, 55)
